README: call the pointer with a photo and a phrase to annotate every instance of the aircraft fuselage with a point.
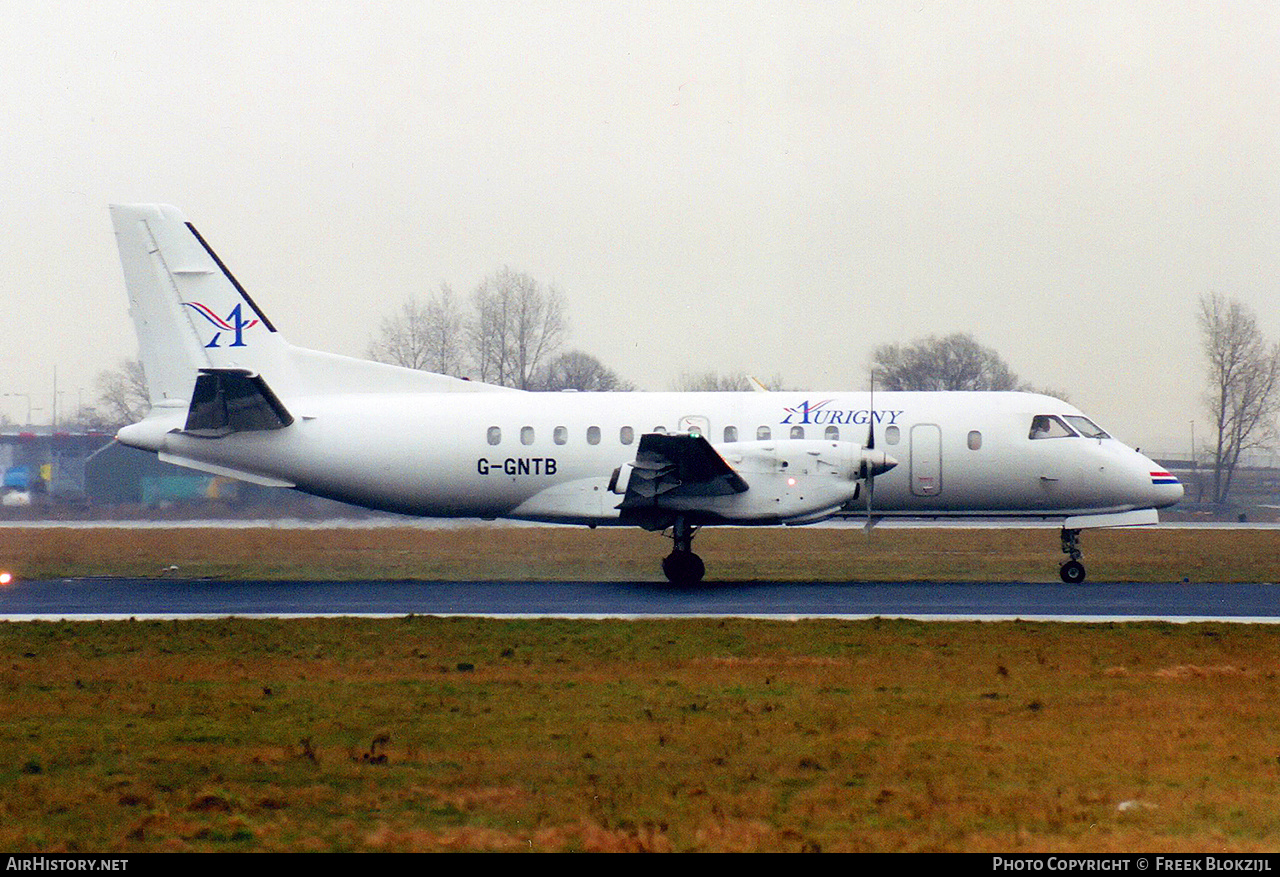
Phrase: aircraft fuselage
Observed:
(550, 456)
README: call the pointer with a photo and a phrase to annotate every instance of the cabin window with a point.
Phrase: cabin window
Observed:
(975, 440)
(1048, 426)
(560, 435)
(763, 434)
(593, 435)
(626, 435)
(731, 433)
(1086, 427)
(797, 432)
(892, 435)
(495, 435)
(831, 433)
(660, 430)
(526, 435)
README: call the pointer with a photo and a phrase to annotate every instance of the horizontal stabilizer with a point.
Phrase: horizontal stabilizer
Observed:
(233, 400)
(214, 469)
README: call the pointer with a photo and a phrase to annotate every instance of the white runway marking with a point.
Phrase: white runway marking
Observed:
(606, 616)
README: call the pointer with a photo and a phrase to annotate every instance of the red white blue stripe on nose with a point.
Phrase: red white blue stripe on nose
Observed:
(1163, 478)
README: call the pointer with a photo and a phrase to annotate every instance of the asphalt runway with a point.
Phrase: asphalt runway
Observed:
(108, 598)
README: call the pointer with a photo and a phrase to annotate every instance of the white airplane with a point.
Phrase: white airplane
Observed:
(230, 396)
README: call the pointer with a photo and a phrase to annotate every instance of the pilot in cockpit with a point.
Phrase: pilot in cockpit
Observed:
(1039, 427)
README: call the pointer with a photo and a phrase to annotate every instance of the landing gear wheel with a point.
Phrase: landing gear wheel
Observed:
(683, 568)
(1072, 572)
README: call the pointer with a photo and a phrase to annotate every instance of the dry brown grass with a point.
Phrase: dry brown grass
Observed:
(487, 553)
(662, 735)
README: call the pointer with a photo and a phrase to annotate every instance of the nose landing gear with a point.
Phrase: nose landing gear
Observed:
(682, 566)
(1072, 571)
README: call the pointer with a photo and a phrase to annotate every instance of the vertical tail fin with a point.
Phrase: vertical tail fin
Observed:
(189, 311)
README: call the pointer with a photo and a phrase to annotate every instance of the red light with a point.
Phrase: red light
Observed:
(5, 578)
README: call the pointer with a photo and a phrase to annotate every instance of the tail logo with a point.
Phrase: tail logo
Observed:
(233, 322)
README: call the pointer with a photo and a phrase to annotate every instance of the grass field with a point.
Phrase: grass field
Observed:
(483, 553)
(445, 734)
(472, 734)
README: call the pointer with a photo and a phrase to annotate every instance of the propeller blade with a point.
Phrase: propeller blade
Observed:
(868, 470)
(873, 463)
(871, 481)
(871, 414)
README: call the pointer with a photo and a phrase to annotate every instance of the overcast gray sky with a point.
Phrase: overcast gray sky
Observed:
(771, 187)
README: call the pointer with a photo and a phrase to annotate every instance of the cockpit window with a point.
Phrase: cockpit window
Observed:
(1049, 426)
(1086, 427)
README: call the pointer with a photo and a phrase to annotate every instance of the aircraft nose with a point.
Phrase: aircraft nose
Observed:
(1165, 488)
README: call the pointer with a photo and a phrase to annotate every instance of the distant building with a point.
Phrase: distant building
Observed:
(42, 460)
(69, 473)
(38, 463)
(120, 475)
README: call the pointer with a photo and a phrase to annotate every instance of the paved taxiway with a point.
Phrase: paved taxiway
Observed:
(168, 598)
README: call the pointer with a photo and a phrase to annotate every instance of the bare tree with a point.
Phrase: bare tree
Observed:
(712, 382)
(516, 329)
(1244, 384)
(486, 331)
(576, 370)
(1047, 391)
(956, 362)
(731, 382)
(426, 335)
(122, 396)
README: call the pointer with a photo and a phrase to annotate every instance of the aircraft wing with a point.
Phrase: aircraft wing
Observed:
(677, 466)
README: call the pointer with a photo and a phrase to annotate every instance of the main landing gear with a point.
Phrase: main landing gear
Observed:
(1072, 571)
(682, 566)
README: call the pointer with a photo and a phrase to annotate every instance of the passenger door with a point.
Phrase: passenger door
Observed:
(926, 459)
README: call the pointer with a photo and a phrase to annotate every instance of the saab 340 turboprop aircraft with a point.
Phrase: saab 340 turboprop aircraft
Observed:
(230, 396)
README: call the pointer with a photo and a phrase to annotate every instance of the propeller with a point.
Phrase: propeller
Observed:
(870, 464)
(868, 472)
